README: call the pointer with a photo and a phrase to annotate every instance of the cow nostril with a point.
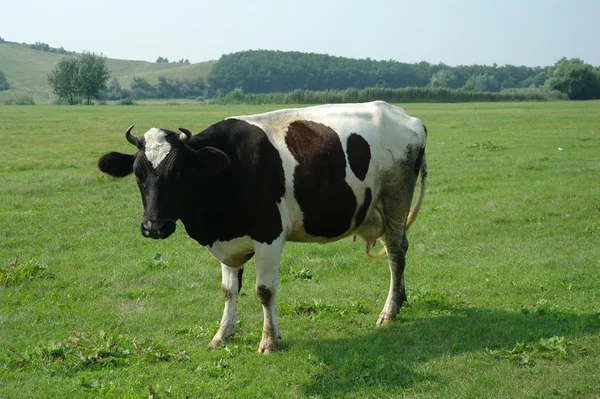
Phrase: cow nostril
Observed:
(152, 226)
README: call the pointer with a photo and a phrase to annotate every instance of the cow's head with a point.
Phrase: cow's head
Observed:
(162, 167)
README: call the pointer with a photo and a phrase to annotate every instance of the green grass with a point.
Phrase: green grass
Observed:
(502, 276)
(27, 70)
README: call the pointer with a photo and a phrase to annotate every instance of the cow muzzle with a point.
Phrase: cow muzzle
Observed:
(157, 228)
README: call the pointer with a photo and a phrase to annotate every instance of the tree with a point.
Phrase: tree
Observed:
(40, 46)
(114, 90)
(3, 82)
(63, 79)
(161, 59)
(84, 76)
(92, 76)
(485, 82)
(438, 79)
(574, 78)
(141, 88)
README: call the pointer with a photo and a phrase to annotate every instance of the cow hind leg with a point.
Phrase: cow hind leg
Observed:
(268, 258)
(396, 245)
(231, 286)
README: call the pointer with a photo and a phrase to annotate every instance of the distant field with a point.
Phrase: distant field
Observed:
(503, 270)
(27, 70)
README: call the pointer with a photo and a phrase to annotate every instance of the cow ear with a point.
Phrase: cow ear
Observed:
(116, 164)
(210, 161)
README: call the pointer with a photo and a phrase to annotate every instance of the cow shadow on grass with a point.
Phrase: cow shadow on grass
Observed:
(390, 359)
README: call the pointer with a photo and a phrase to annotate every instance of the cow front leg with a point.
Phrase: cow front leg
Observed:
(231, 286)
(268, 258)
(396, 247)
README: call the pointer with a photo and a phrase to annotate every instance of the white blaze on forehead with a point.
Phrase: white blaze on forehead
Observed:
(157, 146)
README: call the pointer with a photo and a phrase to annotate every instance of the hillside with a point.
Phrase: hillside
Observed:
(26, 70)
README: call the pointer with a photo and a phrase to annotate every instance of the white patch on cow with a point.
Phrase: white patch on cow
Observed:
(268, 258)
(157, 147)
(231, 286)
(234, 252)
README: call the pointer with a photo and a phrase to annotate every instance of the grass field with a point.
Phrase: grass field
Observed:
(503, 271)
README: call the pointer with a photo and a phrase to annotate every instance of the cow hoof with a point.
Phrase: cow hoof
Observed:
(384, 320)
(215, 343)
(267, 347)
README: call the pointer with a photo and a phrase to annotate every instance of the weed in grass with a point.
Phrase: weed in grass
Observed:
(157, 263)
(316, 308)
(16, 273)
(542, 307)
(434, 302)
(139, 294)
(302, 274)
(592, 230)
(82, 351)
(489, 146)
(195, 332)
(525, 353)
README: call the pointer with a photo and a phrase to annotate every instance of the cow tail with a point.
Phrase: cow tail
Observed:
(415, 210)
(412, 215)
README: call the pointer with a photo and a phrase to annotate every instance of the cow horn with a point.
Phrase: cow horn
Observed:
(186, 134)
(131, 138)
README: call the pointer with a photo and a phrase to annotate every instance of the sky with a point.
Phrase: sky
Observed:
(454, 32)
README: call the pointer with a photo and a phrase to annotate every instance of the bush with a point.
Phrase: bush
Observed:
(127, 101)
(3, 82)
(23, 99)
(403, 95)
(64, 101)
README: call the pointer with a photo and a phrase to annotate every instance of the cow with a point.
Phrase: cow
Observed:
(248, 184)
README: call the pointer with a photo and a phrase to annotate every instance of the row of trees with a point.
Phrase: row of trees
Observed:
(86, 77)
(165, 88)
(264, 71)
(46, 47)
(181, 61)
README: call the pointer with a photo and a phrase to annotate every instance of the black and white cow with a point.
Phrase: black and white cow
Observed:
(247, 184)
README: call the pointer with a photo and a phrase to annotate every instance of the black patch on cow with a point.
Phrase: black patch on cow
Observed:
(320, 188)
(116, 164)
(264, 294)
(362, 211)
(419, 161)
(226, 293)
(359, 155)
(425, 128)
(242, 199)
(239, 277)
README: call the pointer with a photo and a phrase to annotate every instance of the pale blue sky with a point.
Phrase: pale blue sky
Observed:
(520, 32)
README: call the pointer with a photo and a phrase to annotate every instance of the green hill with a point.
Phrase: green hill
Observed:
(26, 70)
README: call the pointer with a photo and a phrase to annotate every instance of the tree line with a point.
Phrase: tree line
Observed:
(165, 88)
(86, 77)
(265, 71)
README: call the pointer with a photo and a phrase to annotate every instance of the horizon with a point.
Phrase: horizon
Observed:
(461, 32)
(294, 51)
